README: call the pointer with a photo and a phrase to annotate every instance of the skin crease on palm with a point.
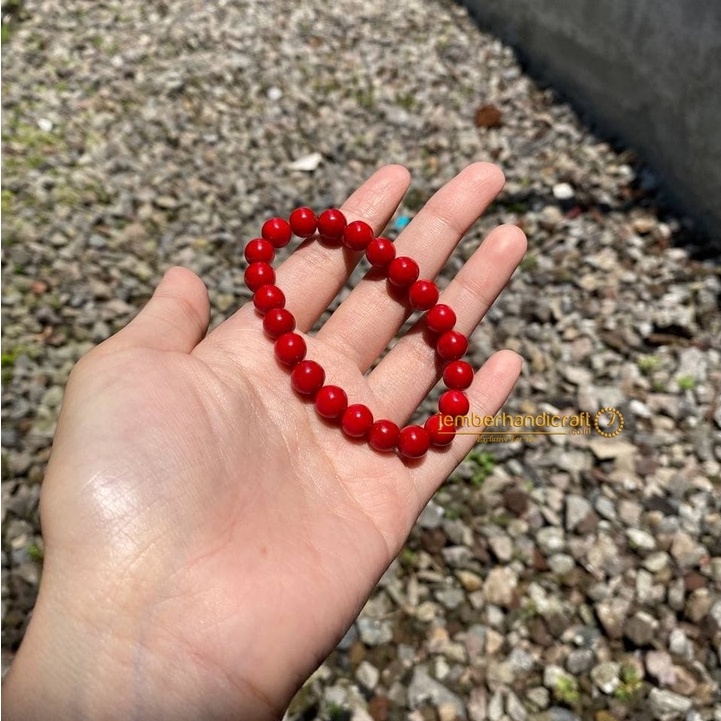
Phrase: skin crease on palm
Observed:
(208, 537)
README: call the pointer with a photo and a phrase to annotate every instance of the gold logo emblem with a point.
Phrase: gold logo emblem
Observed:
(608, 422)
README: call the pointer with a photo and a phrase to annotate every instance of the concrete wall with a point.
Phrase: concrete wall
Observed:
(647, 71)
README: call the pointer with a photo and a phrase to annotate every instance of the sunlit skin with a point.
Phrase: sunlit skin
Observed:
(209, 538)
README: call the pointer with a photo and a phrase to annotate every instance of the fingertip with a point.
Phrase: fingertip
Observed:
(507, 241)
(505, 360)
(399, 172)
(487, 174)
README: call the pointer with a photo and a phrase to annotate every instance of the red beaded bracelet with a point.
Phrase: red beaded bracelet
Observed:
(308, 377)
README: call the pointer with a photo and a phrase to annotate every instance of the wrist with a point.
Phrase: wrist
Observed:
(76, 665)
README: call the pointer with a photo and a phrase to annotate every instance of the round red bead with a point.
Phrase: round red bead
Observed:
(331, 402)
(258, 274)
(413, 441)
(290, 349)
(440, 318)
(383, 435)
(452, 345)
(331, 224)
(453, 403)
(268, 297)
(458, 375)
(403, 271)
(380, 252)
(259, 249)
(277, 231)
(356, 420)
(307, 377)
(357, 235)
(439, 434)
(423, 294)
(303, 222)
(278, 321)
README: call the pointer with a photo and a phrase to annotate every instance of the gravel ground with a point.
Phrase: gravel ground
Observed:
(561, 578)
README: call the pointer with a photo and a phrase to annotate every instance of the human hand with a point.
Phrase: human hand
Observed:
(208, 537)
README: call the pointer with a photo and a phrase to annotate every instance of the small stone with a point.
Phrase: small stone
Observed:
(604, 715)
(577, 509)
(495, 707)
(563, 191)
(374, 632)
(367, 675)
(666, 705)
(640, 540)
(552, 675)
(550, 540)
(698, 605)
(539, 697)
(502, 547)
(612, 614)
(447, 712)
(307, 163)
(500, 586)
(520, 660)
(499, 673)
(477, 705)
(676, 595)
(426, 611)
(656, 562)
(494, 642)
(605, 676)
(659, 665)
(607, 448)
(694, 581)
(678, 643)
(558, 713)
(605, 508)
(470, 581)
(514, 708)
(424, 689)
(450, 598)
(630, 512)
(684, 550)
(580, 661)
(561, 563)
(684, 683)
(550, 217)
(379, 707)
(515, 501)
(641, 628)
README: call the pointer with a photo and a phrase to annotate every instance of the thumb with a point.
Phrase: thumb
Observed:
(176, 317)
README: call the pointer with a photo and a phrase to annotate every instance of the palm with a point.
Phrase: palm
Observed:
(227, 508)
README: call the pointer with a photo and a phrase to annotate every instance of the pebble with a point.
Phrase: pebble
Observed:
(666, 705)
(514, 708)
(500, 585)
(641, 628)
(551, 540)
(424, 689)
(563, 191)
(374, 632)
(606, 676)
(640, 540)
(367, 675)
(577, 510)
(580, 661)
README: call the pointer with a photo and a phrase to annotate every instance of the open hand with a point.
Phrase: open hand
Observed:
(208, 537)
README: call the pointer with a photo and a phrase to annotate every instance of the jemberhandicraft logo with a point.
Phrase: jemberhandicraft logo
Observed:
(508, 427)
